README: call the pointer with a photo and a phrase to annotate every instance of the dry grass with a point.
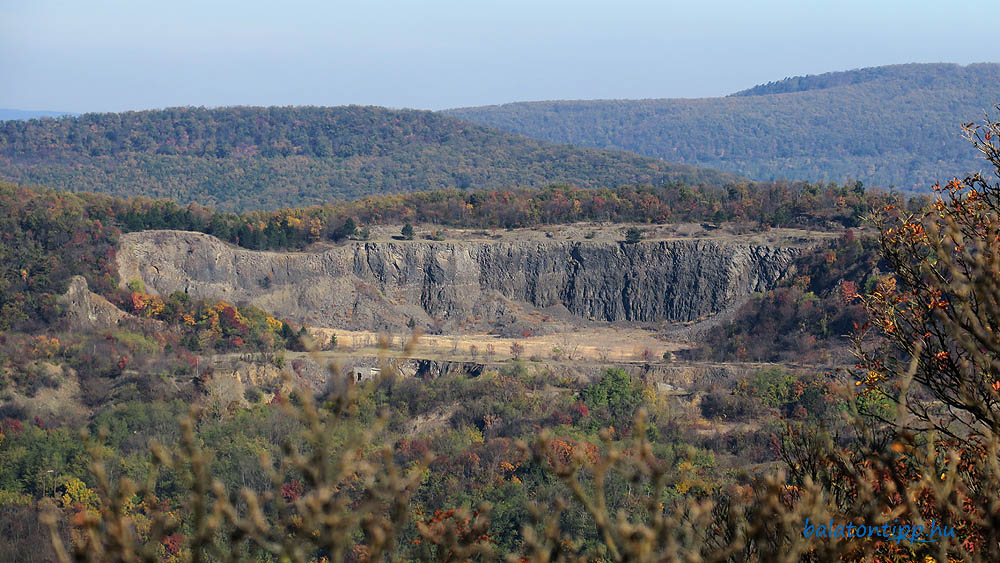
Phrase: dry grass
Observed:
(592, 344)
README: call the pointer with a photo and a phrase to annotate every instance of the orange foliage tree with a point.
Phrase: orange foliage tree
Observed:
(939, 311)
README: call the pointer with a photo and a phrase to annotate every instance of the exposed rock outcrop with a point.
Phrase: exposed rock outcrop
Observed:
(384, 284)
(85, 310)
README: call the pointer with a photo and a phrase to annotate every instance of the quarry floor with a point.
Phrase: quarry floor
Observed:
(582, 344)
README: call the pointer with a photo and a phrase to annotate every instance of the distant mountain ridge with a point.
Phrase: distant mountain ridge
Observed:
(244, 158)
(7, 114)
(894, 125)
(914, 75)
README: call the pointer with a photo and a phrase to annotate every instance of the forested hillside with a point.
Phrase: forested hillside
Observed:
(258, 158)
(892, 126)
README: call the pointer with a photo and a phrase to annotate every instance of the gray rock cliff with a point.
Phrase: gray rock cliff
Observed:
(85, 310)
(378, 285)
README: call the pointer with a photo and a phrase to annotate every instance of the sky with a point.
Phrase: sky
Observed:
(116, 55)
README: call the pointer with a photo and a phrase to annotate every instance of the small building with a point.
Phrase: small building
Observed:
(364, 373)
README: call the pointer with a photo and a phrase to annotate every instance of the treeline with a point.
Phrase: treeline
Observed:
(888, 126)
(777, 204)
(263, 158)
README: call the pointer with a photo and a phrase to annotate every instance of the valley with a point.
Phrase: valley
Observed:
(360, 334)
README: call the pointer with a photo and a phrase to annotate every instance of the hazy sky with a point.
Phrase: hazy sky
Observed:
(112, 55)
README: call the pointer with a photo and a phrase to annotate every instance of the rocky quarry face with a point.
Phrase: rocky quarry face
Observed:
(447, 285)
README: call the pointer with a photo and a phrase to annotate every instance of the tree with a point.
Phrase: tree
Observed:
(516, 349)
(407, 232)
(633, 235)
(348, 229)
(616, 395)
(939, 311)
